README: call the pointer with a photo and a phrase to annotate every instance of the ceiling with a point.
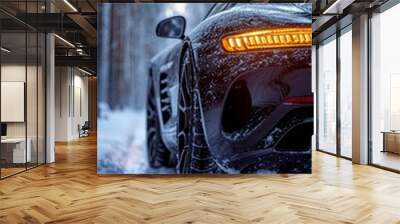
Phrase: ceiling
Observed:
(74, 22)
(330, 15)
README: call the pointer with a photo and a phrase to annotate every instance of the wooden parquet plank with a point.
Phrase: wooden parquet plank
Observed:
(70, 191)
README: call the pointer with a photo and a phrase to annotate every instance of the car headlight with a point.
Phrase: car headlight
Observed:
(268, 39)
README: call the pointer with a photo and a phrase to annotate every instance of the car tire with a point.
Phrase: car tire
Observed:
(194, 154)
(157, 153)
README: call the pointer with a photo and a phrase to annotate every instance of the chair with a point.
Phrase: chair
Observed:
(84, 130)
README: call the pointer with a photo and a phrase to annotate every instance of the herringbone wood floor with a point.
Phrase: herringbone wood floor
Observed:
(70, 191)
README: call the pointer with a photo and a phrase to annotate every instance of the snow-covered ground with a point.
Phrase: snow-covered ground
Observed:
(121, 147)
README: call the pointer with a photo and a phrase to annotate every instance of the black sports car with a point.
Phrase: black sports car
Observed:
(234, 96)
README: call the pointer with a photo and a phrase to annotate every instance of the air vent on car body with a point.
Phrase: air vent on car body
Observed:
(165, 100)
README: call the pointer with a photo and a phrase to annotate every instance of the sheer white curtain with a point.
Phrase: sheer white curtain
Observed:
(327, 96)
(346, 93)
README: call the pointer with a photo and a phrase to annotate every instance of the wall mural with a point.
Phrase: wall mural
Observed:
(204, 88)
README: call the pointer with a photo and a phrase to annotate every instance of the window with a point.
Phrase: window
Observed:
(327, 95)
(345, 92)
(385, 89)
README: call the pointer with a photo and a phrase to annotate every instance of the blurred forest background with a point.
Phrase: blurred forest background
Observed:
(126, 43)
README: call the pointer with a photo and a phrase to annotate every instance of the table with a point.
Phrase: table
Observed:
(18, 149)
(391, 141)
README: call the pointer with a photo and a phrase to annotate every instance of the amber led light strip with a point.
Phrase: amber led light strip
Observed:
(267, 39)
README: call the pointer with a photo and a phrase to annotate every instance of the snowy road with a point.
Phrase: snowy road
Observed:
(121, 145)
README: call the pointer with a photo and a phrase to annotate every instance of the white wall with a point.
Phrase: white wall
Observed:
(81, 89)
(62, 81)
(71, 94)
(17, 73)
(33, 126)
(14, 73)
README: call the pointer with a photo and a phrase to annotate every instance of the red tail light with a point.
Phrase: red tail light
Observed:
(300, 100)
